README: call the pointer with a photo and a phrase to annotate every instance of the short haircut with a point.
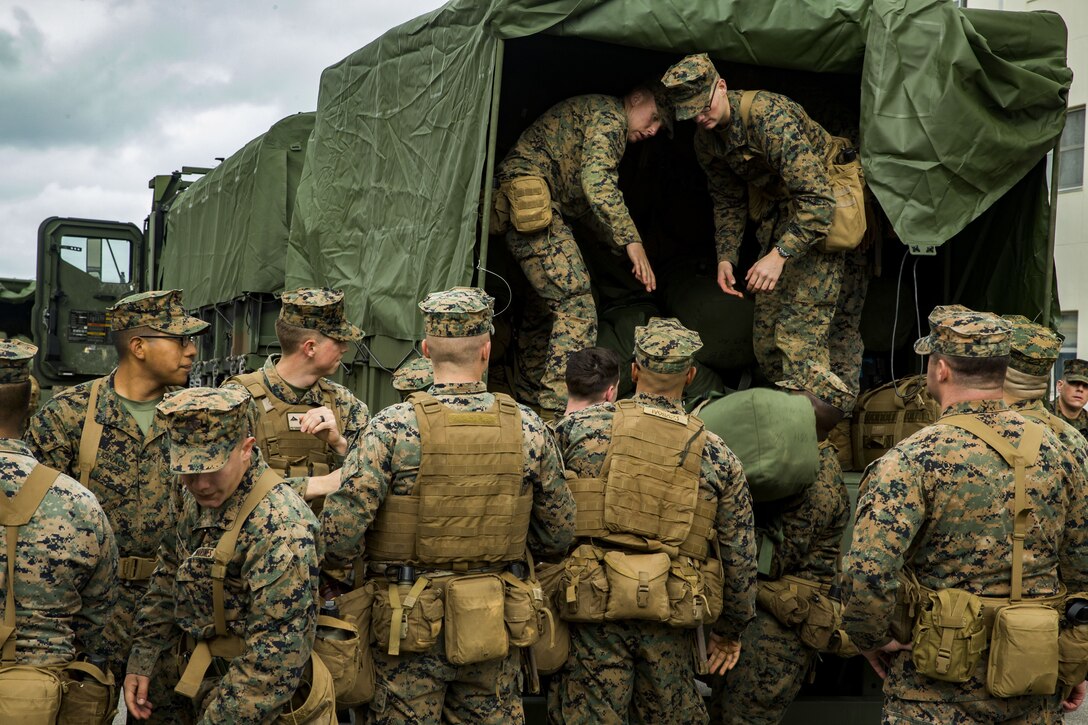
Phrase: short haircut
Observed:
(121, 339)
(291, 337)
(978, 372)
(14, 405)
(457, 351)
(591, 371)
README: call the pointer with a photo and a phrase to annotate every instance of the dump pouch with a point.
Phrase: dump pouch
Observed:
(90, 695)
(314, 702)
(337, 643)
(636, 586)
(552, 648)
(949, 636)
(413, 614)
(355, 607)
(848, 222)
(530, 203)
(1023, 651)
(29, 695)
(583, 586)
(475, 629)
(1073, 656)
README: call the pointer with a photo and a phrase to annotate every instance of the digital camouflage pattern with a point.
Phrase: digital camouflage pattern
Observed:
(844, 343)
(1079, 423)
(956, 330)
(1037, 711)
(576, 147)
(821, 382)
(614, 666)
(319, 309)
(1067, 433)
(269, 595)
(689, 84)
(663, 345)
(806, 530)
(15, 357)
(458, 312)
(386, 463)
(205, 427)
(65, 568)
(161, 310)
(415, 375)
(1034, 348)
(899, 522)
(1075, 371)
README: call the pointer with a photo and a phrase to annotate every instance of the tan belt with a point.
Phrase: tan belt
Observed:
(990, 605)
(227, 647)
(135, 568)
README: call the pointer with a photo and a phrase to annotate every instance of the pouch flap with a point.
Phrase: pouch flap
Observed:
(633, 566)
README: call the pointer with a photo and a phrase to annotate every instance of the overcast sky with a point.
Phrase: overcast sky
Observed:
(98, 96)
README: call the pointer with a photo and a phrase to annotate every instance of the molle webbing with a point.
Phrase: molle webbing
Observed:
(282, 447)
(467, 506)
(14, 513)
(91, 436)
(649, 482)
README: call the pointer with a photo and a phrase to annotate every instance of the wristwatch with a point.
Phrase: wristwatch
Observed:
(782, 252)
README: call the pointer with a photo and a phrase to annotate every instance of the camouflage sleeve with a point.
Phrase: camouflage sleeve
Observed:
(98, 593)
(729, 196)
(1073, 555)
(891, 510)
(280, 571)
(551, 528)
(604, 145)
(52, 441)
(812, 530)
(154, 628)
(804, 174)
(736, 538)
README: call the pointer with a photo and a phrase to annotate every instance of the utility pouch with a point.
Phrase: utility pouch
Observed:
(687, 600)
(636, 586)
(314, 702)
(29, 695)
(784, 602)
(530, 203)
(523, 610)
(907, 606)
(949, 636)
(1023, 651)
(713, 587)
(552, 648)
(583, 586)
(499, 221)
(413, 614)
(355, 607)
(1073, 655)
(848, 222)
(90, 695)
(823, 620)
(337, 643)
(475, 630)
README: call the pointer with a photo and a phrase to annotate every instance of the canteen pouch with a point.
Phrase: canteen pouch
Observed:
(29, 695)
(687, 602)
(523, 610)
(949, 636)
(314, 702)
(552, 648)
(1073, 655)
(637, 586)
(355, 608)
(530, 203)
(90, 697)
(1024, 651)
(784, 602)
(420, 620)
(848, 222)
(475, 626)
(339, 653)
(583, 586)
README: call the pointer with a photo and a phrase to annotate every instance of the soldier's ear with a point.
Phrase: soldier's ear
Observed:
(137, 347)
(634, 372)
(426, 349)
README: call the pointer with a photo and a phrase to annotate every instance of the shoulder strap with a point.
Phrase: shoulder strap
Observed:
(92, 435)
(13, 514)
(746, 100)
(1045, 417)
(1019, 458)
(224, 550)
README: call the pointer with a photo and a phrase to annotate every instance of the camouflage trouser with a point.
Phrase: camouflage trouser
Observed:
(170, 707)
(844, 337)
(791, 322)
(427, 688)
(1036, 710)
(620, 672)
(560, 318)
(772, 666)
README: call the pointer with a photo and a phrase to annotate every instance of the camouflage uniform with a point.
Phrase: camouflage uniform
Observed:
(130, 477)
(270, 582)
(66, 561)
(640, 671)
(807, 533)
(575, 146)
(1076, 371)
(416, 374)
(845, 346)
(930, 504)
(784, 154)
(426, 687)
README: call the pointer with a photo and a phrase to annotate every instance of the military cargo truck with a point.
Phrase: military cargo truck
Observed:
(385, 190)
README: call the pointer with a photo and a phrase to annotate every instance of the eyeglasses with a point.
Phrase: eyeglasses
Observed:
(183, 340)
(710, 101)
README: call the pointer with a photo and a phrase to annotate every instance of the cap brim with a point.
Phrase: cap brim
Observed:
(346, 332)
(686, 111)
(923, 345)
(182, 326)
(195, 459)
(1077, 378)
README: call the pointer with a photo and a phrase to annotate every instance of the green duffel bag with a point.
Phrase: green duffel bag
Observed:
(773, 434)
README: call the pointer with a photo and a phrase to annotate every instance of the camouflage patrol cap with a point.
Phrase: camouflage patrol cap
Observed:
(416, 374)
(320, 309)
(1075, 371)
(206, 425)
(458, 312)
(821, 382)
(160, 310)
(1034, 347)
(956, 330)
(663, 345)
(15, 357)
(689, 84)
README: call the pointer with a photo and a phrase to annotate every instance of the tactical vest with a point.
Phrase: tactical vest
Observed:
(467, 506)
(1044, 416)
(648, 486)
(286, 449)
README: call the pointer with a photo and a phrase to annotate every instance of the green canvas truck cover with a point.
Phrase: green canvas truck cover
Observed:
(958, 108)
